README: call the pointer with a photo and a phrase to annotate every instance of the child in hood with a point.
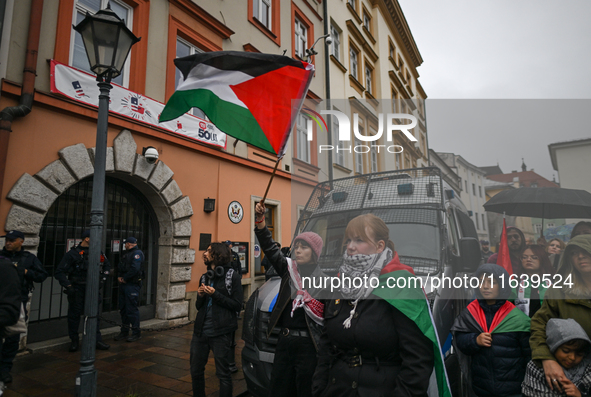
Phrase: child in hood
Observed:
(570, 345)
(495, 334)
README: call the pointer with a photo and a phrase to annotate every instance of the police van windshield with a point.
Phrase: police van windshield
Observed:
(414, 232)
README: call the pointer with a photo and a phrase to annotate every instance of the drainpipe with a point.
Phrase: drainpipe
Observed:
(28, 88)
(327, 82)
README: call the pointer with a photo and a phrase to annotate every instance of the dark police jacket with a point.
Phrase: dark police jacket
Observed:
(74, 266)
(225, 302)
(10, 296)
(29, 262)
(131, 264)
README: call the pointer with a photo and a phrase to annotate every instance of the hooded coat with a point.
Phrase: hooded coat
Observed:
(565, 302)
(497, 370)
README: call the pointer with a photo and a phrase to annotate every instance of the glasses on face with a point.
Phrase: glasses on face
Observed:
(526, 257)
(513, 237)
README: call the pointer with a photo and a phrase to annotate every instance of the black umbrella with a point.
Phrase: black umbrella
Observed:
(542, 202)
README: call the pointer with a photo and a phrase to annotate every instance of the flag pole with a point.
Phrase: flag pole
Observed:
(271, 180)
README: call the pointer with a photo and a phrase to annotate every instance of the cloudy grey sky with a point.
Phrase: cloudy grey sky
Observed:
(533, 57)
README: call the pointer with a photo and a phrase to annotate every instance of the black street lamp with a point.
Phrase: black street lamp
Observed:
(107, 42)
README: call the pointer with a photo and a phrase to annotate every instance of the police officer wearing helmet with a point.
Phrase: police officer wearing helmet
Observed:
(71, 274)
(130, 284)
(30, 270)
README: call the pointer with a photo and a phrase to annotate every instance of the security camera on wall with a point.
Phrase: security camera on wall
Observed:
(328, 40)
(151, 154)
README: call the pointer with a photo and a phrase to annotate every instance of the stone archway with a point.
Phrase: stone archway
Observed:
(32, 196)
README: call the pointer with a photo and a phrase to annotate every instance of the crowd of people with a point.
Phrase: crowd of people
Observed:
(532, 340)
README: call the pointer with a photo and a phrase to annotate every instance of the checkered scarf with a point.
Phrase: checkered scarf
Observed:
(313, 308)
(357, 266)
(534, 384)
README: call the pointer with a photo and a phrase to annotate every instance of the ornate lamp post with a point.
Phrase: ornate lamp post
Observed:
(107, 42)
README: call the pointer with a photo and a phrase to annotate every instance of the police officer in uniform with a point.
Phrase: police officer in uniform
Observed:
(30, 270)
(71, 274)
(130, 283)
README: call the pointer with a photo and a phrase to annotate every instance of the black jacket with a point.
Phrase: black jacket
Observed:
(396, 358)
(35, 273)
(498, 370)
(10, 293)
(130, 267)
(224, 305)
(74, 266)
(279, 262)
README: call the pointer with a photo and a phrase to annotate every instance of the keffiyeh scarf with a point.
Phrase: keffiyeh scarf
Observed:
(313, 307)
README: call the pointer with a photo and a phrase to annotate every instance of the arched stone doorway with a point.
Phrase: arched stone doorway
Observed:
(33, 196)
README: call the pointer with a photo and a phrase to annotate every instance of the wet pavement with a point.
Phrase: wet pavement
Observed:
(156, 365)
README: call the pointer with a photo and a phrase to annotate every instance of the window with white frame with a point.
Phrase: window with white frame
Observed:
(183, 49)
(538, 228)
(369, 79)
(398, 161)
(353, 61)
(301, 38)
(339, 156)
(303, 145)
(78, 58)
(366, 22)
(373, 154)
(262, 12)
(336, 42)
(352, 3)
(358, 156)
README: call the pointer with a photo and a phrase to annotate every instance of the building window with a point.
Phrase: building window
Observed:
(392, 51)
(183, 49)
(483, 223)
(353, 62)
(336, 42)
(398, 160)
(358, 156)
(408, 80)
(477, 223)
(533, 184)
(352, 4)
(78, 57)
(303, 145)
(339, 155)
(394, 100)
(270, 216)
(538, 228)
(480, 191)
(474, 189)
(366, 21)
(400, 64)
(301, 38)
(466, 184)
(369, 79)
(374, 161)
(262, 12)
(549, 225)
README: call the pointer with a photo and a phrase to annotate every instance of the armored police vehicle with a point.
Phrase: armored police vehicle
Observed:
(432, 233)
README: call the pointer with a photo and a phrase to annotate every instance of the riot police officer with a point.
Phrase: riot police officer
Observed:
(130, 283)
(71, 274)
(30, 270)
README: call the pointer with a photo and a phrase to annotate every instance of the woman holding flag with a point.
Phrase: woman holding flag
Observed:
(378, 341)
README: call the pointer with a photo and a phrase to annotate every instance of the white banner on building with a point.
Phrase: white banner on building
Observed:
(82, 87)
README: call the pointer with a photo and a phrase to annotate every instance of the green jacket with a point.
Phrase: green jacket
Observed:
(557, 305)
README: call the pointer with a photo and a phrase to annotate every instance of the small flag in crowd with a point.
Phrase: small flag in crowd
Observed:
(504, 259)
(250, 96)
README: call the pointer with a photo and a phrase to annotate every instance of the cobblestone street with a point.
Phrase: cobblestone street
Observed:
(156, 365)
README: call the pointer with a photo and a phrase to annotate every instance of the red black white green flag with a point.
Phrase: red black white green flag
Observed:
(507, 319)
(504, 258)
(412, 302)
(250, 96)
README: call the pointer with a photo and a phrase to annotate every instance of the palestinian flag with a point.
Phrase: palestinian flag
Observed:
(507, 319)
(413, 303)
(250, 96)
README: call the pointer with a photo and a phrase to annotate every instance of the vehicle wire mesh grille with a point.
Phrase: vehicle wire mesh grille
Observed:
(416, 187)
(266, 344)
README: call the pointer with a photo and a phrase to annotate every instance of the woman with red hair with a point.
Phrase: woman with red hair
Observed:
(535, 279)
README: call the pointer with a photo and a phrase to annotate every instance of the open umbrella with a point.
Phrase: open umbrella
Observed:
(542, 202)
